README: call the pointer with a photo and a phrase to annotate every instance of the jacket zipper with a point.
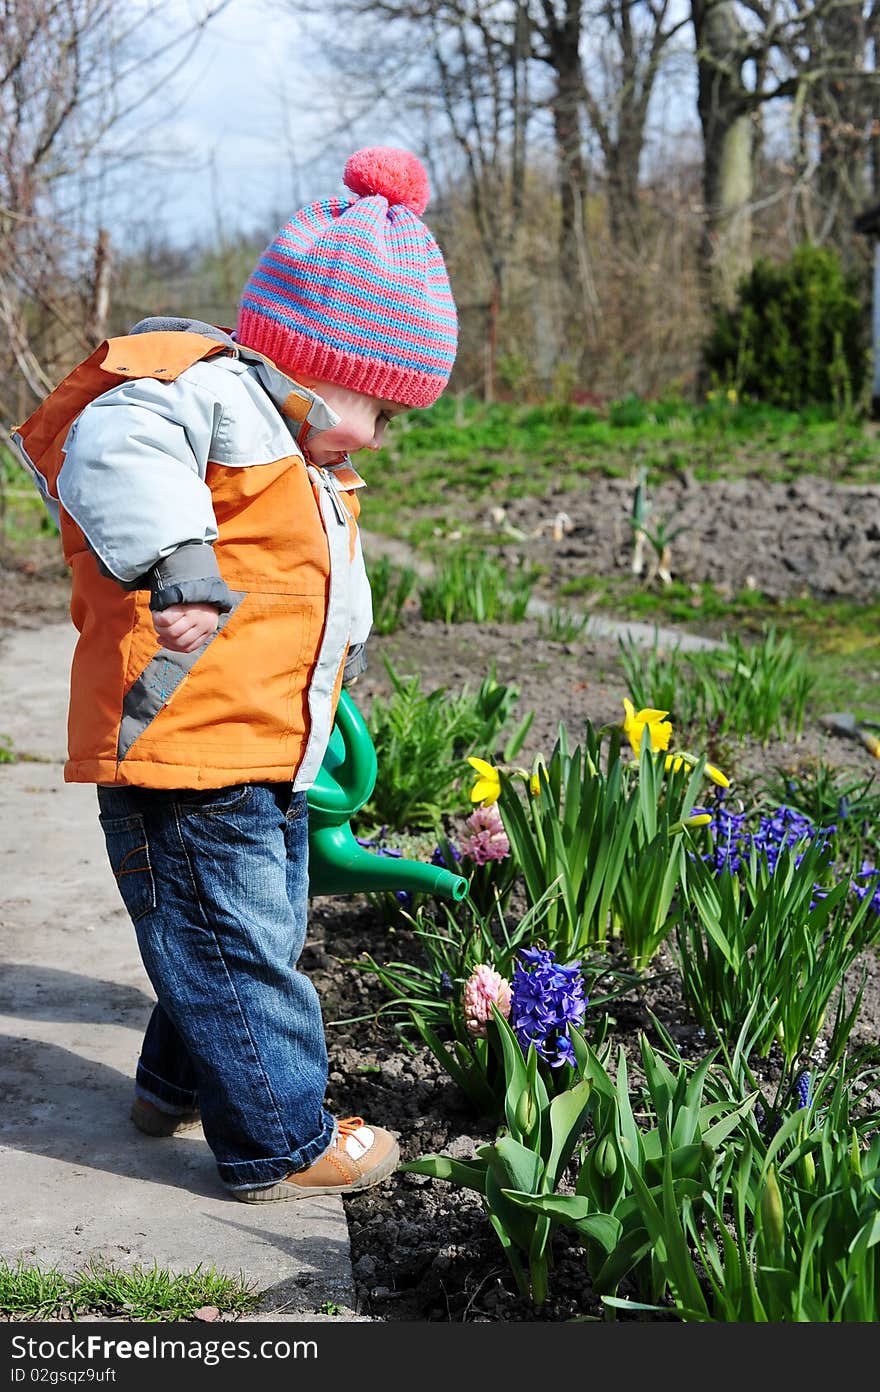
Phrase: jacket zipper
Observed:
(336, 501)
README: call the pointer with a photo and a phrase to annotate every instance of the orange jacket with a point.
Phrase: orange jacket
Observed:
(174, 461)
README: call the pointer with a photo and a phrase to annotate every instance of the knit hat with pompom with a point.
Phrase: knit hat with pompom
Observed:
(355, 291)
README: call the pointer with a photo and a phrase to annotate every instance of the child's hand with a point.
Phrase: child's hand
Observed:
(184, 627)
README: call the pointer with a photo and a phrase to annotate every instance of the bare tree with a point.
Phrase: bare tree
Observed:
(71, 71)
(558, 30)
(757, 52)
(840, 101)
(465, 65)
(629, 39)
(483, 82)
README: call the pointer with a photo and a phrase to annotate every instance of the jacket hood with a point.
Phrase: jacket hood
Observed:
(160, 323)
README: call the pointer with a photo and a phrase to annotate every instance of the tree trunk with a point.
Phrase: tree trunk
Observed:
(572, 209)
(99, 299)
(725, 115)
(624, 209)
(491, 372)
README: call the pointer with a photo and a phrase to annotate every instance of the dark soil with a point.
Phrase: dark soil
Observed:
(807, 537)
(422, 1249)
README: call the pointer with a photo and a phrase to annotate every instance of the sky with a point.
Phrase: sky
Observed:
(240, 135)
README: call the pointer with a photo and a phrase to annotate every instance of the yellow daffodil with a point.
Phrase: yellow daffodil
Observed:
(488, 785)
(676, 761)
(539, 771)
(700, 819)
(654, 721)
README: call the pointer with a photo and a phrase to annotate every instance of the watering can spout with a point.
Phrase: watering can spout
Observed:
(338, 864)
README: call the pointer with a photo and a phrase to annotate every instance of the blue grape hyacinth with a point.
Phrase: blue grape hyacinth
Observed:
(778, 831)
(871, 877)
(545, 999)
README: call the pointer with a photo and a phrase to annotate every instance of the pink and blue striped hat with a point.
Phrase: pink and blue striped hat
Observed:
(355, 291)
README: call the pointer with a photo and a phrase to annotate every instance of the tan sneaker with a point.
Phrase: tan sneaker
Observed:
(360, 1157)
(150, 1119)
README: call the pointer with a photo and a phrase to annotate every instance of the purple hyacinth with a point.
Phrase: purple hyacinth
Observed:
(546, 999)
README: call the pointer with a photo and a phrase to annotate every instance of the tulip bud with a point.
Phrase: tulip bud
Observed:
(771, 1210)
(855, 1157)
(808, 1169)
(526, 1112)
(605, 1158)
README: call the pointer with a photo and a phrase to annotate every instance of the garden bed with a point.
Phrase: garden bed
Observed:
(423, 1249)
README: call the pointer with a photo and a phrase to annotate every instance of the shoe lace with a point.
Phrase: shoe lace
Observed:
(348, 1125)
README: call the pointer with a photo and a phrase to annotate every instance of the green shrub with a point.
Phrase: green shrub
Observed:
(796, 334)
(628, 411)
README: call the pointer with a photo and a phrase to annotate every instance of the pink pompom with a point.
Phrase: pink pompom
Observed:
(394, 174)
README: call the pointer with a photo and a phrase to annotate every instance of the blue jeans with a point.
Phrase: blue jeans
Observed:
(216, 885)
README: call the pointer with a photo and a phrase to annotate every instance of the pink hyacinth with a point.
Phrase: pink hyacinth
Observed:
(483, 988)
(488, 839)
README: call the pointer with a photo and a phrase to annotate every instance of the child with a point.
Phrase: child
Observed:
(208, 508)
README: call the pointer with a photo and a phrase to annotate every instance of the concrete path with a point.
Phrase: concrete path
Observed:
(78, 1182)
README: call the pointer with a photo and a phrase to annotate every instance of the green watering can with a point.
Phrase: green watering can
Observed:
(337, 863)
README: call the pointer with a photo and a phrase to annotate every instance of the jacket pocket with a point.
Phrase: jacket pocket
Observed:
(129, 855)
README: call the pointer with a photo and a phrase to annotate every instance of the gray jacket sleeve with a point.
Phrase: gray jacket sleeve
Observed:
(133, 480)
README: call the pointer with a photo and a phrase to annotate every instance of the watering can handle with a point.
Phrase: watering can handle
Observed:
(348, 774)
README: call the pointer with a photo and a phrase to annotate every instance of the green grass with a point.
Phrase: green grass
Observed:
(23, 514)
(476, 586)
(739, 689)
(147, 1294)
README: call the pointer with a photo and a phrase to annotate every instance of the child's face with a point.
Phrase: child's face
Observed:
(362, 422)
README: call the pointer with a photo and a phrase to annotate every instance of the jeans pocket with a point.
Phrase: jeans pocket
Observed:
(214, 801)
(129, 854)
